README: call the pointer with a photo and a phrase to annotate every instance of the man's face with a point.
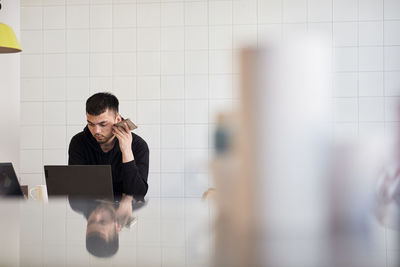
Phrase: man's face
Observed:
(102, 221)
(100, 126)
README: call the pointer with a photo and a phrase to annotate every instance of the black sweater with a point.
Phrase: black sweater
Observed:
(129, 178)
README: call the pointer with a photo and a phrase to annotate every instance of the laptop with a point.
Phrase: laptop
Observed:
(87, 181)
(9, 184)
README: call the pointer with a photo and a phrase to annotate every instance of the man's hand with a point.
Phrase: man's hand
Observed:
(124, 137)
(124, 211)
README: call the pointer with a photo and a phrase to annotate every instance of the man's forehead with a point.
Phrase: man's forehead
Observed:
(105, 116)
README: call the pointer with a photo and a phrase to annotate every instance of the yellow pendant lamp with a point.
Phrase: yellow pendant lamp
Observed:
(8, 41)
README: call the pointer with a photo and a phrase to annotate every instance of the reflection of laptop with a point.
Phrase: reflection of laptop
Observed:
(89, 181)
(9, 185)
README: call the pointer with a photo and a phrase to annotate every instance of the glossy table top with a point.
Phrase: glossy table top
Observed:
(165, 232)
(180, 232)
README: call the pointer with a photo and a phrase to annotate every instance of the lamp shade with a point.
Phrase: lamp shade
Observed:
(8, 41)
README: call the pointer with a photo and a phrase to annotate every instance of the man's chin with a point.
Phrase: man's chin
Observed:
(103, 140)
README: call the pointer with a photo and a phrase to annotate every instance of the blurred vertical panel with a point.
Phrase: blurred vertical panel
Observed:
(287, 195)
(9, 232)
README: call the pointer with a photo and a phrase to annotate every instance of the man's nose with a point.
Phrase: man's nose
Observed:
(97, 129)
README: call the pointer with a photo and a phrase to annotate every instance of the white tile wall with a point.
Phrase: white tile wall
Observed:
(54, 113)
(392, 58)
(219, 12)
(196, 136)
(54, 89)
(294, 11)
(54, 65)
(371, 9)
(345, 34)
(174, 65)
(148, 87)
(173, 136)
(172, 185)
(346, 110)
(54, 137)
(392, 83)
(173, 87)
(34, 37)
(31, 18)
(54, 17)
(370, 33)
(371, 84)
(31, 137)
(124, 15)
(196, 13)
(172, 111)
(172, 38)
(345, 59)
(244, 12)
(31, 65)
(148, 112)
(345, 10)
(371, 109)
(152, 133)
(391, 9)
(31, 89)
(345, 84)
(320, 10)
(101, 40)
(270, 11)
(172, 14)
(101, 16)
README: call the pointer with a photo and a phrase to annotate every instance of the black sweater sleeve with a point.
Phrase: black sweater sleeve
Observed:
(134, 173)
(76, 153)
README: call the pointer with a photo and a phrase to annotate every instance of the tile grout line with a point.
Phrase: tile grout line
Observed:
(43, 119)
(384, 103)
(358, 69)
(160, 114)
(65, 81)
(184, 118)
(66, 117)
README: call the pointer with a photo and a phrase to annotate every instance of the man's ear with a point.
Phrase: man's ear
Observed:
(119, 118)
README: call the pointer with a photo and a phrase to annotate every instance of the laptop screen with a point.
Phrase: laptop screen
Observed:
(90, 181)
(9, 185)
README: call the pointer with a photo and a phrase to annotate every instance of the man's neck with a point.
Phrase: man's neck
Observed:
(109, 145)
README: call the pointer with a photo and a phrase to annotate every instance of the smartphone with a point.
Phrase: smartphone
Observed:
(131, 125)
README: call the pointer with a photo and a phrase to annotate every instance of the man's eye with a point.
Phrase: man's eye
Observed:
(103, 125)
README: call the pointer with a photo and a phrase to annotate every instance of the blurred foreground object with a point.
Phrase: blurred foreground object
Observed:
(10, 233)
(286, 194)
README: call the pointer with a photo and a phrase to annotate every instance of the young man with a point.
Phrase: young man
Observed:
(102, 143)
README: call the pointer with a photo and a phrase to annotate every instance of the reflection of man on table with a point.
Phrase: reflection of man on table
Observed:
(103, 143)
(104, 222)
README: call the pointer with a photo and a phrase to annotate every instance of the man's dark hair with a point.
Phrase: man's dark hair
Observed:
(99, 247)
(95, 242)
(100, 102)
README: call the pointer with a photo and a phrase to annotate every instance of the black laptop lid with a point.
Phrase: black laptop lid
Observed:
(88, 181)
(9, 185)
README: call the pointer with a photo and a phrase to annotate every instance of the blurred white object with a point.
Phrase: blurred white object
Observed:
(294, 151)
(287, 194)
